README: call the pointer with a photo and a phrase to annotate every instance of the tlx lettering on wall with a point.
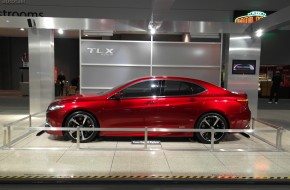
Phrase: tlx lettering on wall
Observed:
(101, 51)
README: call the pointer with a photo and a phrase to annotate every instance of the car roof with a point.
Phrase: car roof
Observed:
(168, 78)
(207, 85)
(203, 83)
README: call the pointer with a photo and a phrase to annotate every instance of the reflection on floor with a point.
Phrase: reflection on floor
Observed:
(251, 157)
(108, 157)
(277, 114)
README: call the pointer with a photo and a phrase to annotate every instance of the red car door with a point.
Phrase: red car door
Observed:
(178, 107)
(137, 102)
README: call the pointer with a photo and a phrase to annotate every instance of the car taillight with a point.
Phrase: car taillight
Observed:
(241, 94)
(243, 101)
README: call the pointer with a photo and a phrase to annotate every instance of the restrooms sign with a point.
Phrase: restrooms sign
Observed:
(11, 11)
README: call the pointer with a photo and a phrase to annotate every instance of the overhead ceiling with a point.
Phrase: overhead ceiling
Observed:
(186, 10)
(167, 10)
(12, 32)
(193, 10)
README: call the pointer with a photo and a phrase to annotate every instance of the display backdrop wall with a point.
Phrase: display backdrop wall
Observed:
(105, 64)
(11, 49)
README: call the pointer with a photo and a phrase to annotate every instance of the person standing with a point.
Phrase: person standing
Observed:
(76, 82)
(61, 79)
(276, 81)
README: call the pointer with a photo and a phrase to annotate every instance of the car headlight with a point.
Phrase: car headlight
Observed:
(55, 107)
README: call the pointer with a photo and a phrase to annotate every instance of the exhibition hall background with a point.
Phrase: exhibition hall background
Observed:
(12, 48)
(274, 51)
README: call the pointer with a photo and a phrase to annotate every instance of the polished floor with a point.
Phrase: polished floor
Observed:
(144, 186)
(46, 155)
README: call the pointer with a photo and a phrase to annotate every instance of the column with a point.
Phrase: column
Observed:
(243, 47)
(41, 69)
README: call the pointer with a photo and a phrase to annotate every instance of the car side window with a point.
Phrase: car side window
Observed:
(181, 88)
(142, 89)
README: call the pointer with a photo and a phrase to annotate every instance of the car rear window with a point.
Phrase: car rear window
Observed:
(181, 88)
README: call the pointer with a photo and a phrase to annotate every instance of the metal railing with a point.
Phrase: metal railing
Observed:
(8, 126)
(29, 117)
(7, 132)
(279, 132)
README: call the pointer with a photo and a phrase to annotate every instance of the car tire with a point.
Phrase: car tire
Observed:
(207, 121)
(84, 120)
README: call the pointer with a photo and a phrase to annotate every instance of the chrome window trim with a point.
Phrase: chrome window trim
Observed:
(163, 96)
(188, 66)
(96, 88)
(205, 90)
(114, 65)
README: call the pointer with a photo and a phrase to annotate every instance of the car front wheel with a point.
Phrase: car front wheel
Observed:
(209, 121)
(83, 120)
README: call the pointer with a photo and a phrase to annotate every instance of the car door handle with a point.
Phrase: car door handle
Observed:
(151, 102)
(191, 100)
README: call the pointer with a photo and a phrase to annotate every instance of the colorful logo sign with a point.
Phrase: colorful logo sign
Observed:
(251, 17)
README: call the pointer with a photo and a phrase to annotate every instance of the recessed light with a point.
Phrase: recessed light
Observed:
(22, 29)
(7, 21)
(259, 33)
(152, 31)
(86, 35)
(60, 31)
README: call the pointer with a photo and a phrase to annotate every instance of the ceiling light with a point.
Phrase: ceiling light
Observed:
(153, 26)
(7, 21)
(22, 29)
(60, 31)
(98, 33)
(152, 31)
(240, 38)
(259, 33)
(207, 36)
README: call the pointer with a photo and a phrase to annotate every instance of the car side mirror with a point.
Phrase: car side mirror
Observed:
(117, 96)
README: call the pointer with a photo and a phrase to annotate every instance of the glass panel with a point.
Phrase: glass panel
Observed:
(104, 52)
(172, 88)
(186, 54)
(103, 76)
(142, 89)
(211, 75)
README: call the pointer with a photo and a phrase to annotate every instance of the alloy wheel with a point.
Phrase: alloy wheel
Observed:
(209, 121)
(83, 120)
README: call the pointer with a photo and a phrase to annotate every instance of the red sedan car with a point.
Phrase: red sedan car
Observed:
(153, 102)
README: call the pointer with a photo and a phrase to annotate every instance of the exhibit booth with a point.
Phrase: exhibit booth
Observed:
(103, 58)
(225, 54)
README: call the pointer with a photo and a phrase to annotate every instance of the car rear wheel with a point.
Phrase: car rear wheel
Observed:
(209, 121)
(84, 120)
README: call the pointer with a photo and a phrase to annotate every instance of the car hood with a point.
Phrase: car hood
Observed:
(79, 97)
